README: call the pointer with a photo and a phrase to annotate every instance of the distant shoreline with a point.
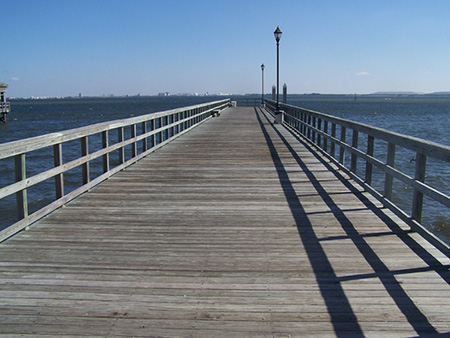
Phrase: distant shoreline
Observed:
(379, 96)
(250, 95)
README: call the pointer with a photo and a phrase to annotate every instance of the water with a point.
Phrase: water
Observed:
(426, 118)
(30, 118)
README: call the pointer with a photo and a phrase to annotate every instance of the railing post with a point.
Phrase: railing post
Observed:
(299, 121)
(160, 134)
(333, 144)
(21, 196)
(325, 139)
(120, 137)
(370, 147)
(85, 152)
(305, 126)
(172, 118)
(166, 131)
(181, 124)
(105, 144)
(152, 127)
(421, 161)
(300, 127)
(308, 133)
(313, 136)
(390, 161)
(59, 180)
(169, 130)
(144, 140)
(341, 148)
(354, 157)
(134, 144)
(175, 118)
(319, 127)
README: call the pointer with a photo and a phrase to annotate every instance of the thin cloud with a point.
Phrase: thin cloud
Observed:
(15, 78)
(362, 74)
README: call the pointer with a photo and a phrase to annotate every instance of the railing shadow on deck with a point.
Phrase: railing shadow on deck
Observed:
(429, 259)
(342, 316)
(368, 146)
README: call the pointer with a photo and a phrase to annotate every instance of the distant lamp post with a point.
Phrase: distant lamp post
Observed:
(278, 112)
(262, 91)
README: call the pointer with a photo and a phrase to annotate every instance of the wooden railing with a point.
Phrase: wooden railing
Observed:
(360, 141)
(129, 146)
(4, 107)
(248, 102)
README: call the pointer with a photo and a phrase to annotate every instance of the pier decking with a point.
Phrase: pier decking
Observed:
(234, 229)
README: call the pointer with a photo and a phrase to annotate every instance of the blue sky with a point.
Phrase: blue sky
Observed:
(97, 47)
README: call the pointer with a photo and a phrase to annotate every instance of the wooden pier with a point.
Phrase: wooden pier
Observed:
(234, 229)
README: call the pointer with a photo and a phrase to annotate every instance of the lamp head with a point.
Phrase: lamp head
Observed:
(277, 34)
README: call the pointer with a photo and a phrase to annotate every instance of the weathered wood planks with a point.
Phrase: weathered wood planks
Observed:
(233, 230)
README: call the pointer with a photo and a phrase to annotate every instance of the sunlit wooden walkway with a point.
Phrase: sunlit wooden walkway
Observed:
(235, 229)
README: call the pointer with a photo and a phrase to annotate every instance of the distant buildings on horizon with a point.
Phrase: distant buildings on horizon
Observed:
(267, 95)
(81, 96)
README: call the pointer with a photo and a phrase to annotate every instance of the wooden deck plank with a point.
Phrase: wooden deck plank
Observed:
(236, 229)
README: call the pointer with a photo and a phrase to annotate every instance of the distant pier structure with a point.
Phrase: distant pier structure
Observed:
(4, 106)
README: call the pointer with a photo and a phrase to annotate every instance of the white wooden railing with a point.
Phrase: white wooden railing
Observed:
(322, 130)
(4, 107)
(156, 129)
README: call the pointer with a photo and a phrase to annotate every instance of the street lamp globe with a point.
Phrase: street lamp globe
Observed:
(277, 34)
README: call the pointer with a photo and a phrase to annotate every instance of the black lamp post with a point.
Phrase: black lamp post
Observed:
(277, 35)
(262, 91)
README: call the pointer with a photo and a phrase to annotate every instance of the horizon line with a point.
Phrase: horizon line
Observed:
(379, 93)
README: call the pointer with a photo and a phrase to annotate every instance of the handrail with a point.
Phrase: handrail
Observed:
(157, 129)
(320, 130)
(248, 102)
(4, 107)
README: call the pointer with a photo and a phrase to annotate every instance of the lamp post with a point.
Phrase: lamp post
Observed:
(262, 91)
(278, 112)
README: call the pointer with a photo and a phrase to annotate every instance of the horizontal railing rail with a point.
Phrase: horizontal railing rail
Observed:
(248, 102)
(322, 130)
(4, 107)
(128, 146)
